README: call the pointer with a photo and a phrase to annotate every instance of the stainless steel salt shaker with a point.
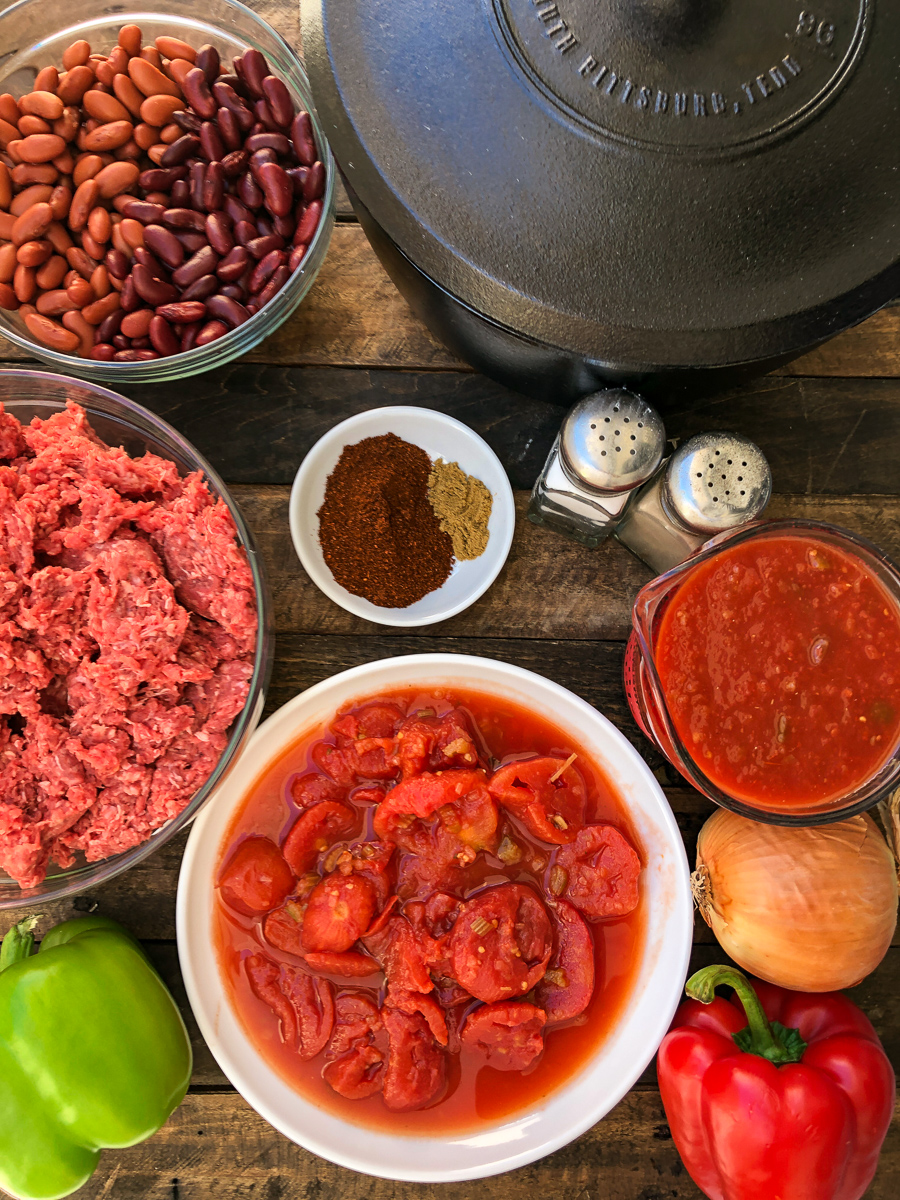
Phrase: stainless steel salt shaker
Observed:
(713, 482)
(609, 444)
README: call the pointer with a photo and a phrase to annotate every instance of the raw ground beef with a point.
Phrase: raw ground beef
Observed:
(127, 629)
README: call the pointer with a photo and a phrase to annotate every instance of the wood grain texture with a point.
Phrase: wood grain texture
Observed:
(354, 316)
(216, 1146)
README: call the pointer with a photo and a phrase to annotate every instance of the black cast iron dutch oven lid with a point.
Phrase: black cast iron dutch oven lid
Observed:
(647, 182)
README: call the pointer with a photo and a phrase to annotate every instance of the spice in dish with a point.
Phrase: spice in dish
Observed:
(379, 534)
(779, 660)
(429, 911)
(463, 505)
(126, 647)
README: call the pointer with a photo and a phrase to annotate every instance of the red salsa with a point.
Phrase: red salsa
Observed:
(780, 663)
(429, 912)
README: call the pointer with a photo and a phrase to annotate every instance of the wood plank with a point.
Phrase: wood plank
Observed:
(214, 1146)
(550, 587)
(354, 316)
(255, 423)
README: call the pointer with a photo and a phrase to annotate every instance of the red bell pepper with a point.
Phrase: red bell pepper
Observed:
(774, 1094)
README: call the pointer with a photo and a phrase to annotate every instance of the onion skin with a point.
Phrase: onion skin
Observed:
(811, 909)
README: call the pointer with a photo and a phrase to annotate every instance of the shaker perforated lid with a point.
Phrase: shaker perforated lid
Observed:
(715, 481)
(611, 441)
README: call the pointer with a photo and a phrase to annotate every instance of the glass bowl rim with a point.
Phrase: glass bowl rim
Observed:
(94, 874)
(646, 605)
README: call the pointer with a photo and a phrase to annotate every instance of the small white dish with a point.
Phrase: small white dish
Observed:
(439, 436)
(604, 1078)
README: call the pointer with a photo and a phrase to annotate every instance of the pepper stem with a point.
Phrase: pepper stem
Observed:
(769, 1040)
(18, 943)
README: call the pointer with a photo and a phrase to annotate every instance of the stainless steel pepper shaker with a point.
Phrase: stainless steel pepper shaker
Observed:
(713, 482)
(609, 444)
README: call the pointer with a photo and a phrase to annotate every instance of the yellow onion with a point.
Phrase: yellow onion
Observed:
(812, 909)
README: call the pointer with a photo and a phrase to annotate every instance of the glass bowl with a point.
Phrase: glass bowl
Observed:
(31, 38)
(27, 394)
(647, 699)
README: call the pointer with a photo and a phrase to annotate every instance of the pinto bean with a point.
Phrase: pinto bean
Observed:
(33, 223)
(42, 104)
(105, 108)
(34, 253)
(97, 312)
(40, 147)
(74, 84)
(150, 80)
(108, 136)
(84, 200)
(117, 178)
(51, 333)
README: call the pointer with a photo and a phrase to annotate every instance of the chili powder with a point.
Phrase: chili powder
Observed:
(379, 534)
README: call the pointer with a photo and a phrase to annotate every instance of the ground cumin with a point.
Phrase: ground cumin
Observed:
(463, 505)
(379, 534)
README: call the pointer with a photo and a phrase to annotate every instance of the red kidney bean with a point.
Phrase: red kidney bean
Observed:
(257, 158)
(109, 326)
(134, 355)
(201, 288)
(236, 210)
(229, 128)
(204, 262)
(277, 189)
(160, 179)
(298, 253)
(210, 332)
(233, 291)
(284, 226)
(297, 176)
(259, 247)
(121, 342)
(197, 93)
(234, 264)
(315, 183)
(128, 297)
(162, 337)
(275, 284)
(268, 141)
(253, 70)
(141, 343)
(307, 223)
(249, 191)
(211, 142)
(182, 312)
(214, 187)
(180, 195)
(189, 336)
(228, 310)
(142, 210)
(252, 307)
(264, 226)
(244, 232)
(208, 62)
(264, 118)
(197, 177)
(218, 231)
(235, 163)
(153, 291)
(191, 239)
(143, 256)
(237, 83)
(279, 100)
(226, 97)
(302, 138)
(165, 245)
(180, 151)
(263, 270)
(103, 352)
(184, 218)
(187, 121)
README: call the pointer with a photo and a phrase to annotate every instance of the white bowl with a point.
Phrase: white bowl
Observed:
(606, 1076)
(439, 436)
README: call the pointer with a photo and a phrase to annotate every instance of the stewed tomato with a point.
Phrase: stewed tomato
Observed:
(444, 897)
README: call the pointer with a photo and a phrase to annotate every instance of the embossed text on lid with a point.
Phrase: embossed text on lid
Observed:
(683, 75)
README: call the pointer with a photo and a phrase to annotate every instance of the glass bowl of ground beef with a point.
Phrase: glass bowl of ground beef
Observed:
(135, 637)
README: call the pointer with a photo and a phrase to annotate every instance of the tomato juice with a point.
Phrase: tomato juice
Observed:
(474, 1091)
(779, 660)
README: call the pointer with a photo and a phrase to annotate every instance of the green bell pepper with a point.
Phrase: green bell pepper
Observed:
(93, 1053)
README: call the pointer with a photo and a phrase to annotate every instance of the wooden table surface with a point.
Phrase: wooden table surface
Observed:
(830, 426)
